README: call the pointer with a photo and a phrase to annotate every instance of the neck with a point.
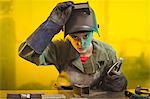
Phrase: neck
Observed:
(88, 52)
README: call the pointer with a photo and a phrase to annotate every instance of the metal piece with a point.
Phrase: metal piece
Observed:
(115, 69)
(24, 96)
(135, 96)
(54, 96)
(13, 96)
(81, 90)
(139, 90)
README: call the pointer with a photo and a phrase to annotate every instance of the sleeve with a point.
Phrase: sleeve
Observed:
(114, 82)
(27, 53)
(52, 55)
(48, 57)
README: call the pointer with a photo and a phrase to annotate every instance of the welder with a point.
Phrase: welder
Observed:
(79, 58)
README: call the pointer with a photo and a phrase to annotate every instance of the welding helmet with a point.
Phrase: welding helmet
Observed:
(82, 19)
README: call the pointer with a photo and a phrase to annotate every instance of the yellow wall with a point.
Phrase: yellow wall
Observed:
(123, 23)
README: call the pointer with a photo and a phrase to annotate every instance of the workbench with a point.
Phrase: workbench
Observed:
(67, 93)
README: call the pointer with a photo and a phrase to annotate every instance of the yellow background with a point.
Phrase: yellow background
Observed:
(124, 24)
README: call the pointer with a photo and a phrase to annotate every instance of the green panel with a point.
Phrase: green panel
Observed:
(7, 46)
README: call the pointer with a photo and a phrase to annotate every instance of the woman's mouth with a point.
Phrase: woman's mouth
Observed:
(81, 49)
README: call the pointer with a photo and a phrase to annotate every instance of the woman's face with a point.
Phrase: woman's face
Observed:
(81, 41)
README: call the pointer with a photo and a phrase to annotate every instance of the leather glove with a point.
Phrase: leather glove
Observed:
(41, 37)
(61, 13)
(114, 83)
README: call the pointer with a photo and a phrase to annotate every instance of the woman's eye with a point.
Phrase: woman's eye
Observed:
(75, 37)
(85, 36)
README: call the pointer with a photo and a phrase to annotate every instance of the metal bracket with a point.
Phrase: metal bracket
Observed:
(115, 69)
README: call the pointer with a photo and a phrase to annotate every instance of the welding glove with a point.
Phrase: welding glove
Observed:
(41, 37)
(114, 83)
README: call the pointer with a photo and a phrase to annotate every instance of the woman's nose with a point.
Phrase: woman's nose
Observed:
(81, 42)
(78, 43)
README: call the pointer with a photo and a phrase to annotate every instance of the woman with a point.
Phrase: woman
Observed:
(79, 58)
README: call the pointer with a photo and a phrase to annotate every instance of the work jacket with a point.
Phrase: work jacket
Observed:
(66, 59)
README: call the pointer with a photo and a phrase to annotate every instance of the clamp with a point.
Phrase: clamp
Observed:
(139, 90)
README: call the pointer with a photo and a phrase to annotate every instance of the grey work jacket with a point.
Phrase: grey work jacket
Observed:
(66, 58)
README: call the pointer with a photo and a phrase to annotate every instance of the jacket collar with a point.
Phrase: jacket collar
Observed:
(99, 51)
(99, 54)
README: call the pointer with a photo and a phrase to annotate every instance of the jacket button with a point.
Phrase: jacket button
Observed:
(101, 63)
